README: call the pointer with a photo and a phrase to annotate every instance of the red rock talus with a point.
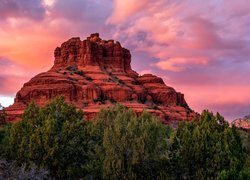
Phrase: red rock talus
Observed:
(96, 73)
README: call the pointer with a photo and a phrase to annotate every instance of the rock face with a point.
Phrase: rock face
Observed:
(96, 73)
(243, 123)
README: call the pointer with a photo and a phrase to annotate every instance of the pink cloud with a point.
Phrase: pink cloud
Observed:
(179, 64)
(124, 9)
(32, 9)
(12, 76)
(204, 47)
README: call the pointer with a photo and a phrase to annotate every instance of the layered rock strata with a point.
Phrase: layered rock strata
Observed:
(94, 74)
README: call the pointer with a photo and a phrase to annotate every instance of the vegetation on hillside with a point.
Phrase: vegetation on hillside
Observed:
(2, 116)
(55, 141)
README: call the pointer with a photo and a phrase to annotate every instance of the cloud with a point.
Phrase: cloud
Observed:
(32, 9)
(200, 48)
(27, 43)
(179, 64)
(231, 101)
(190, 30)
(232, 110)
(49, 2)
(86, 11)
(5, 101)
(12, 76)
(124, 9)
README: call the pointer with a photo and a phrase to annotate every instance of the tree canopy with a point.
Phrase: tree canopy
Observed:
(120, 144)
(51, 137)
(126, 142)
(207, 148)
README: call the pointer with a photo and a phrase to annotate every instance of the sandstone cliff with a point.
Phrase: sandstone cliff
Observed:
(96, 73)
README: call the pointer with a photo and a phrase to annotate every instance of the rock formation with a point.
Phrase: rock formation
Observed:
(96, 73)
(242, 123)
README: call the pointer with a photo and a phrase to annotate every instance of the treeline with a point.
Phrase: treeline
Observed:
(55, 142)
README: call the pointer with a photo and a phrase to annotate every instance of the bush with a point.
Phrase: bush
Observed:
(80, 73)
(155, 107)
(89, 79)
(72, 68)
(113, 101)
(142, 99)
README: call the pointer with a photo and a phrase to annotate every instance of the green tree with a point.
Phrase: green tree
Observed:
(2, 116)
(207, 149)
(52, 137)
(128, 146)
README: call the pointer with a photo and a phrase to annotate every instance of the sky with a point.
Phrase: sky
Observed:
(201, 48)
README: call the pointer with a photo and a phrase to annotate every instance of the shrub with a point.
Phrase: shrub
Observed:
(121, 81)
(72, 68)
(113, 101)
(155, 107)
(142, 99)
(89, 79)
(80, 73)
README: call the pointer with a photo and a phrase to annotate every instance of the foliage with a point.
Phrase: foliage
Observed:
(79, 72)
(72, 68)
(52, 137)
(113, 101)
(142, 99)
(119, 144)
(245, 173)
(2, 116)
(207, 149)
(126, 143)
(8, 170)
(89, 79)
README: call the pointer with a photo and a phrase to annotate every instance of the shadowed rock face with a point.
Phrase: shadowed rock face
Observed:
(96, 73)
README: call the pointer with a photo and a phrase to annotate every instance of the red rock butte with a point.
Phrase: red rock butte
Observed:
(94, 74)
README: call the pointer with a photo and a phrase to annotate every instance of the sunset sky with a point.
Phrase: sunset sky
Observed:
(201, 48)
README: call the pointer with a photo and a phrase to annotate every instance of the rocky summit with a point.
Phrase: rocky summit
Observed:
(94, 74)
(242, 123)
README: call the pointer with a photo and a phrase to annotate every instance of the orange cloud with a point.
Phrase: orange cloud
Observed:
(31, 49)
